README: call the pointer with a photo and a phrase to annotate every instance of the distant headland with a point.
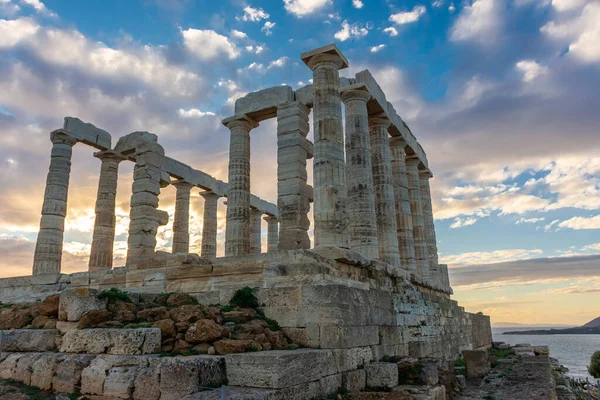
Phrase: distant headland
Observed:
(591, 328)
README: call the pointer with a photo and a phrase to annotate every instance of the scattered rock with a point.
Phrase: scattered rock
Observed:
(239, 316)
(187, 313)
(154, 314)
(43, 322)
(180, 299)
(123, 311)
(15, 318)
(93, 318)
(205, 330)
(277, 339)
(202, 348)
(230, 346)
(167, 327)
(49, 306)
(76, 302)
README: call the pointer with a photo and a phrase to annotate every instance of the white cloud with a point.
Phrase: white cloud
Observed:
(581, 33)
(8, 9)
(391, 31)
(551, 224)
(565, 5)
(268, 28)
(15, 31)
(451, 8)
(350, 30)
(462, 222)
(594, 246)
(238, 34)
(409, 16)
(437, 3)
(253, 14)
(38, 6)
(479, 22)
(578, 223)
(531, 70)
(357, 4)
(530, 220)
(302, 8)
(208, 44)
(280, 62)
(194, 113)
(488, 257)
(375, 49)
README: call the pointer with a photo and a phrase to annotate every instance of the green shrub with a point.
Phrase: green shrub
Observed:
(594, 368)
(5, 305)
(251, 349)
(501, 354)
(273, 325)
(245, 298)
(114, 294)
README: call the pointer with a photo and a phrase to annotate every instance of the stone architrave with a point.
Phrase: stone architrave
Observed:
(385, 208)
(293, 193)
(255, 231)
(406, 241)
(48, 248)
(430, 238)
(416, 208)
(329, 168)
(272, 233)
(145, 218)
(209, 225)
(181, 219)
(237, 231)
(362, 221)
(101, 253)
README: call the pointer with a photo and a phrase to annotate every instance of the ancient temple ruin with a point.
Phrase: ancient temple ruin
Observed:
(370, 279)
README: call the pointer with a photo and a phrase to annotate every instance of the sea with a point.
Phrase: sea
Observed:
(572, 351)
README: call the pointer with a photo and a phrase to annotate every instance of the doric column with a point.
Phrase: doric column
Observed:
(181, 220)
(444, 278)
(209, 225)
(329, 168)
(432, 252)
(293, 194)
(406, 241)
(416, 208)
(48, 248)
(385, 209)
(237, 231)
(101, 254)
(255, 231)
(362, 221)
(272, 233)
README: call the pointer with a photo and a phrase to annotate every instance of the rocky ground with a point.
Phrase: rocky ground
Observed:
(187, 327)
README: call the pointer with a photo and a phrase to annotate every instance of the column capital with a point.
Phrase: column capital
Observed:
(412, 160)
(270, 218)
(425, 174)
(379, 120)
(240, 121)
(355, 92)
(329, 54)
(209, 194)
(60, 137)
(109, 155)
(182, 185)
(398, 142)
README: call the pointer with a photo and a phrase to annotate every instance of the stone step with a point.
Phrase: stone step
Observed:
(29, 340)
(144, 377)
(112, 341)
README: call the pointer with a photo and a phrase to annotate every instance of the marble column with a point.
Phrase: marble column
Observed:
(329, 167)
(416, 208)
(362, 221)
(181, 220)
(430, 238)
(406, 241)
(237, 231)
(209, 225)
(48, 248)
(444, 278)
(255, 231)
(385, 209)
(272, 233)
(294, 195)
(101, 254)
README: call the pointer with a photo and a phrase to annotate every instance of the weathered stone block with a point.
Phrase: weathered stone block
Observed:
(27, 340)
(180, 377)
(120, 382)
(67, 376)
(279, 369)
(87, 133)
(335, 337)
(43, 370)
(382, 375)
(477, 363)
(354, 381)
(75, 302)
(265, 101)
(112, 341)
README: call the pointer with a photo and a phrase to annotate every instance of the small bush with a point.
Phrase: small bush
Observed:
(244, 298)
(251, 349)
(5, 305)
(114, 294)
(501, 354)
(273, 325)
(594, 368)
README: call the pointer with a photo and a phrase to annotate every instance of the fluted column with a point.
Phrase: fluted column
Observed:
(209, 225)
(329, 168)
(181, 220)
(237, 231)
(48, 249)
(416, 208)
(294, 195)
(444, 278)
(430, 238)
(272, 233)
(255, 231)
(362, 221)
(406, 241)
(101, 254)
(385, 209)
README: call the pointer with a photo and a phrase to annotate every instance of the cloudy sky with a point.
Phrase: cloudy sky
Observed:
(502, 94)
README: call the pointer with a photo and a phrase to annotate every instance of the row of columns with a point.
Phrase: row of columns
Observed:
(386, 197)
